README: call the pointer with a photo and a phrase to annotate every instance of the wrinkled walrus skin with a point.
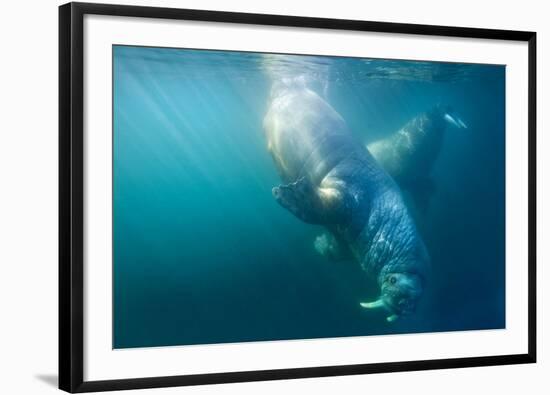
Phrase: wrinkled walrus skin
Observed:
(332, 180)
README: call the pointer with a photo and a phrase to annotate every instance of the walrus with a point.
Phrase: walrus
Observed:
(409, 154)
(330, 179)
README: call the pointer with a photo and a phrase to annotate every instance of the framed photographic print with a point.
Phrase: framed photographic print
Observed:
(258, 197)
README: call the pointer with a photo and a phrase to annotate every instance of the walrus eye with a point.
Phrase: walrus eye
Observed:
(393, 280)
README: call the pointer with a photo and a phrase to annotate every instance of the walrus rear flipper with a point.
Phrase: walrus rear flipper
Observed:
(311, 204)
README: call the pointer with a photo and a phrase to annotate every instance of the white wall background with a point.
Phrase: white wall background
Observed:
(28, 195)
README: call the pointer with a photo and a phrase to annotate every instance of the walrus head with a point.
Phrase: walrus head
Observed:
(400, 293)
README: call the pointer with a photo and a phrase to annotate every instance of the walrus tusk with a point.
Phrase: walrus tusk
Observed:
(373, 305)
(455, 121)
(392, 318)
(462, 123)
(377, 304)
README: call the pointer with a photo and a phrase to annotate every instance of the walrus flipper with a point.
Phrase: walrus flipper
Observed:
(309, 203)
(328, 246)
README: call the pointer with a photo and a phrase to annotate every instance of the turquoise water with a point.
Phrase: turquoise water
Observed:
(203, 253)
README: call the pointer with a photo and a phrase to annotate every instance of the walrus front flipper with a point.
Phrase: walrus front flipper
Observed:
(311, 204)
(328, 246)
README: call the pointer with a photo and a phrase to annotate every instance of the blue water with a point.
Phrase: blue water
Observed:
(204, 254)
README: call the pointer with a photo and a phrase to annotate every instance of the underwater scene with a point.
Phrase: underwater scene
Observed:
(261, 197)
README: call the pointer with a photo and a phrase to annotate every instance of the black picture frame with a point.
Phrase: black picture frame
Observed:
(71, 195)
